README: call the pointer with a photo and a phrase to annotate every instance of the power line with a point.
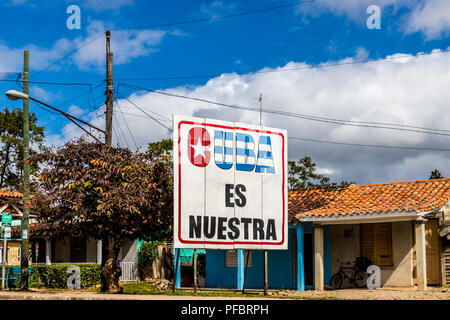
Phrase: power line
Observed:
(126, 123)
(154, 119)
(369, 145)
(49, 83)
(153, 112)
(120, 129)
(59, 128)
(233, 15)
(143, 116)
(376, 125)
(319, 66)
(70, 53)
(83, 93)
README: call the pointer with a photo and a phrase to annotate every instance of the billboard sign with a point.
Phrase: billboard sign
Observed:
(230, 185)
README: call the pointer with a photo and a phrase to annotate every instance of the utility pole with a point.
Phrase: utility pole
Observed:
(26, 175)
(108, 137)
(109, 90)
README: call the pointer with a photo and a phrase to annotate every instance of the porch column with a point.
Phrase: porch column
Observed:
(300, 261)
(99, 251)
(177, 266)
(240, 269)
(421, 257)
(48, 251)
(318, 257)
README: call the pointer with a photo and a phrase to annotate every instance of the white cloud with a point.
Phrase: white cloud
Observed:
(125, 44)
(432, 18)
(408, 91)
(217, 8)
(354, 9)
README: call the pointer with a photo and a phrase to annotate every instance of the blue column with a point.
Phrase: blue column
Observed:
(240, 269)
(300, 262)
(178, 276)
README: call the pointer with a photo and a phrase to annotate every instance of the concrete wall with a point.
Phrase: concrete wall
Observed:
(345, 246)
(91, 250)
(128, 252)
(280, 269)
(401, 275)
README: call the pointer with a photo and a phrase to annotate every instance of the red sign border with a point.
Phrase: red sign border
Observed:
(179, 186)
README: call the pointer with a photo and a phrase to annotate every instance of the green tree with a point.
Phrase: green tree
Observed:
(162, 149)
(303, 174)
(435, 174)
(11, 135)
(91, 189)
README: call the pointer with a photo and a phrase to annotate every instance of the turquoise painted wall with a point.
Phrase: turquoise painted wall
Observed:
(280, 265)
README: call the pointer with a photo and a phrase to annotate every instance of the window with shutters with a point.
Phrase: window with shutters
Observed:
(231, 258)
(376, 243)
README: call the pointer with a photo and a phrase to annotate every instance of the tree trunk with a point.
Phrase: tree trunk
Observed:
(111, 271)
(5, 165)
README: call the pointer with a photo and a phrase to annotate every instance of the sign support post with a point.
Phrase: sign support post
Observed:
(5, 245)
(176, 278)
(195, 270)
(6, 230)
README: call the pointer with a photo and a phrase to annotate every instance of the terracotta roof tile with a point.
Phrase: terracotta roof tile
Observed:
(10, 194)
(416, 196)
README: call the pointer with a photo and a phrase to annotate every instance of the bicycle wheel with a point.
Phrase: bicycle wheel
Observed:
(336, 281)
(360, 279)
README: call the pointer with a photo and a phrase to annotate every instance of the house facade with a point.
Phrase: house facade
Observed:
(402, 227)
(47, 249)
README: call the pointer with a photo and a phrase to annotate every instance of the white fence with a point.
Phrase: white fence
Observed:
(129, 271)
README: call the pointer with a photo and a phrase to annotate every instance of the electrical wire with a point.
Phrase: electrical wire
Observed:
(69, 54)
(48, 83)
(71, 130)
(369, 145)
(120, 129)
(319, 66)
(143, 116)
(376, 125)
(125, 120)
(233, 15)
(154, 119)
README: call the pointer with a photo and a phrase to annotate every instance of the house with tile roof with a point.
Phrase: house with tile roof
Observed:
(402, 227)
(10, 203)
(46, 248)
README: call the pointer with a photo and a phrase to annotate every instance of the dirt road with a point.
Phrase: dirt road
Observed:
(345, 294)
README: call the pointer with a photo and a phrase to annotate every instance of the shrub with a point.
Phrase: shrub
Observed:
(147, 253)
(55, 276)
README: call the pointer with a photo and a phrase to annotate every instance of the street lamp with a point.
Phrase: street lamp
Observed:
(16, 95)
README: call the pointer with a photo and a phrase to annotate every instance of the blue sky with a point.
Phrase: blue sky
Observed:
(322, 31)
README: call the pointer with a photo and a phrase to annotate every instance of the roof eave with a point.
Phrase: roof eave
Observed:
(366, 218)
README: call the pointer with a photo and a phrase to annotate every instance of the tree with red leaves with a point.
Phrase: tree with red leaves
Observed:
(91, 189)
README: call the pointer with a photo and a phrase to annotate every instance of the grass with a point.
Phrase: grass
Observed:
(149, 288)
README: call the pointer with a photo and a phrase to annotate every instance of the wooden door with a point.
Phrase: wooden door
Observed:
(432, 252)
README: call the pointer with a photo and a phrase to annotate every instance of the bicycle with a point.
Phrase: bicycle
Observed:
(358, 275)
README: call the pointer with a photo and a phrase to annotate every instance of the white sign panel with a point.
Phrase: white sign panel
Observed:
(230, 185)
(7, 232)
